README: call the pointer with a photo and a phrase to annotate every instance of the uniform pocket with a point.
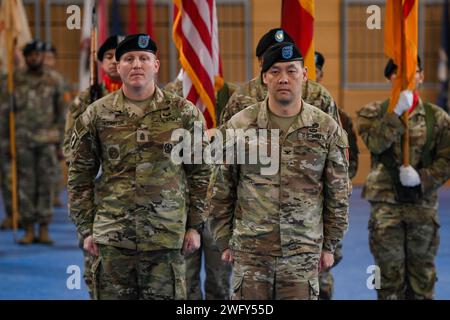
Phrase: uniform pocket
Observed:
(238, 281)
(313, 289)
(95, 274)
(179, 281)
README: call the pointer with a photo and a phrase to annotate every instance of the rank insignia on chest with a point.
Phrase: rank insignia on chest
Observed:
(142, 135)
(113, 152)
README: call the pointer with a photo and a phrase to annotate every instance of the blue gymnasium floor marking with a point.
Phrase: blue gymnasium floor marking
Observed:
(39, 272)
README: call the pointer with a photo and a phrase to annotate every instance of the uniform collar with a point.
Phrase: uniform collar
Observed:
(155, 104)
(304, 118)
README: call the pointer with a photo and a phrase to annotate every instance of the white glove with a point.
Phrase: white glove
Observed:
(409, 176)
(405, 102)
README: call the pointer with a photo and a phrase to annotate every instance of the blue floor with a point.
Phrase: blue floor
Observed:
(40, 272)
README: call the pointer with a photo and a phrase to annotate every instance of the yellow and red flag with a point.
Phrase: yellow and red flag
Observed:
(195, 33)
(400, 43)
(297, 19)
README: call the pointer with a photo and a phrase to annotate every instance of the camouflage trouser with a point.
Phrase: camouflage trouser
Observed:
(258, 277)
(5, 179)
(88, 260)
(35, 167)
(218, 273)
(145, 275)
(326, 280)
(57, 178)
(404, 240)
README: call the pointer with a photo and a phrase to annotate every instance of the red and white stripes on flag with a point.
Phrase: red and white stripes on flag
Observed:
(195, 33)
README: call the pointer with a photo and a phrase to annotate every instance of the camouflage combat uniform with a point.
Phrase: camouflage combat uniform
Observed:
(255, 91)
(218, 273)
(278, 224)
(312, 93)
(58, 178)
(76, 108)
(404, 237)
(326, 281)
(39, 116)
(139, 216)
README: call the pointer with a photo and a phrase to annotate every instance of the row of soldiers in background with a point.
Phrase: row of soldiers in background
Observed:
(404, 223)
(39, 106)
(49, 62)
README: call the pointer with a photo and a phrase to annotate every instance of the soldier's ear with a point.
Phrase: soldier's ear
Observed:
(263, 78)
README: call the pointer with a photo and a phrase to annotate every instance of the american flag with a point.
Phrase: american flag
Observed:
(195, 34)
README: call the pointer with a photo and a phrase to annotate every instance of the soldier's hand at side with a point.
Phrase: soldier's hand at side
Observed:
(191, 241)
(326, 261)
(90, 246)
(227, 256)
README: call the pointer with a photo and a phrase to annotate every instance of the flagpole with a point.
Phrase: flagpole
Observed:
(404, 80)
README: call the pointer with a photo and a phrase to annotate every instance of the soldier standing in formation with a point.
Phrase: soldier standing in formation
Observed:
(280, 229)
(139, 221)
(50, 55)
(39, 108)
(111, 82)
(403, 226)
(325, 277)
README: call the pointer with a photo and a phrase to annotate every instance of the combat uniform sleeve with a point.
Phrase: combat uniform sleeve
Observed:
(336, 191)
(60, 110)
(221, 203)
(76, 107)
(197, 174)
(68, 126)
(378, 132)
(354, 150)
(82, 171)
(436, 174)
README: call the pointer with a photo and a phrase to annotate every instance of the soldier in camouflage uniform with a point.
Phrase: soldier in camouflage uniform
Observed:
(111, 82)
(281, 228)
(50, 55)
(404, 225)
(255, 91)
(39, 108)
(218, 273)
(139, 221)
(326, 280)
